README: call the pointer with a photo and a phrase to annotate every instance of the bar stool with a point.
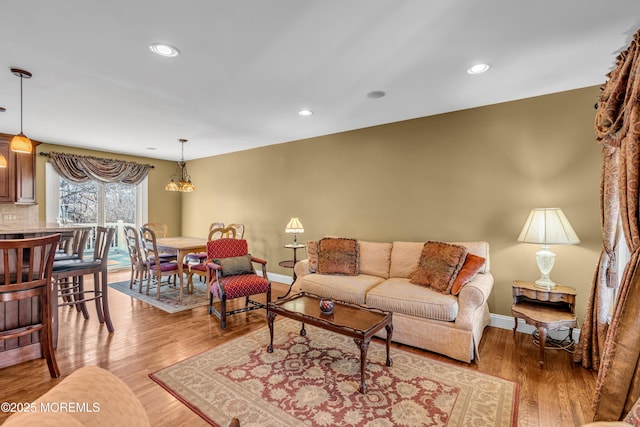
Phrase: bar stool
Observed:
(25, 278)
(76, 270)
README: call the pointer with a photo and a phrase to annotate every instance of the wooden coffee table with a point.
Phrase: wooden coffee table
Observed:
(352, 320)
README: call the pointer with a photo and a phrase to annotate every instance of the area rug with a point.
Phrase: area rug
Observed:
(313, 381)
(168, 296)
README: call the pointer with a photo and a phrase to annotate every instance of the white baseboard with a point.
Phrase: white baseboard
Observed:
(507, 322)
(280, 278)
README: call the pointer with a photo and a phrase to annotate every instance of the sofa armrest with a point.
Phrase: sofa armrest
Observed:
(302, 268)
(472, 296)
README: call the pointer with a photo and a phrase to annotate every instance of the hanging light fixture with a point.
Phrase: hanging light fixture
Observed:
(181, 180)
(21, 143)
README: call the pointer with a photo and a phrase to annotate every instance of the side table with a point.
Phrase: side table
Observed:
(291, 263)
(544, 308)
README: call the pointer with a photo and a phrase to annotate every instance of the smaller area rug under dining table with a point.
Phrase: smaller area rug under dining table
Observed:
(314, 379)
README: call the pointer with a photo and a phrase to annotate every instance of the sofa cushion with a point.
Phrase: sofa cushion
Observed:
(338, 255)
(344, 288)
(401, 296)
(375, 258)
(404, 258)
(439, 265)
(471, 267)
(312, 255)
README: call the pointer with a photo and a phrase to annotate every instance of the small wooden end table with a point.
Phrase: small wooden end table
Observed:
(291, 263)
(352, 320)
(544, 308)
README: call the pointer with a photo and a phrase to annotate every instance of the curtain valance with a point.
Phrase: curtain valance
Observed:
(78, 168)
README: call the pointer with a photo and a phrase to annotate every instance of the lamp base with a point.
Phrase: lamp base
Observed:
(545, 283)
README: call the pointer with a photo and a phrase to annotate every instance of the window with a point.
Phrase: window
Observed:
(94, 203)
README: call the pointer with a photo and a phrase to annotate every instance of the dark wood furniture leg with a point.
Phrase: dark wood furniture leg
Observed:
(542, 337)
(364, 346)
(303, 331)
(389, 329)
(270, 317)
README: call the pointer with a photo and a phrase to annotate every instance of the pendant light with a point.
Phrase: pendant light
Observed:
(3, 159)
(21, 143)
(181, 180)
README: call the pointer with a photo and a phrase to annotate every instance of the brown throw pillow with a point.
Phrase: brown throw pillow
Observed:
(471, 267)
(236, 265)
(338, 256)
(439, 265)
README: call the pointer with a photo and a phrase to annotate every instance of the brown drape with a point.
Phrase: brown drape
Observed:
(77, 168)
(617, 127)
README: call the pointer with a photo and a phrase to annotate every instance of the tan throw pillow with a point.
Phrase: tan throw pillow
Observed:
(471, 267)
(338, 256)
(312, 255)
(439, 265)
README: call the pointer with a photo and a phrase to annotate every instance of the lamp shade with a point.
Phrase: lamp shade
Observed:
(548, 226)
(20, 143)
(294, 226)
(3, 161)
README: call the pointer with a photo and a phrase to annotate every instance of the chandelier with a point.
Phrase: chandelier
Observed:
(181, 180)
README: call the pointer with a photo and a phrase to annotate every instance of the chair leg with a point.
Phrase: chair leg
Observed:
(104, 292)
(46, 339)
(210, 302)
(223, 313)
(134, 275)
(98, 297)
(54, 312)
(81, 305)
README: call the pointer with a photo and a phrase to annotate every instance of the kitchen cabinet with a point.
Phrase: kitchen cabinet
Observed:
(18, 179)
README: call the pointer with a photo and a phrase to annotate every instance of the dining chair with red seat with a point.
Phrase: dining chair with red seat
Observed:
(25, 286)
(232, 275)
(158, 268)
(214, 233)
(161, 230)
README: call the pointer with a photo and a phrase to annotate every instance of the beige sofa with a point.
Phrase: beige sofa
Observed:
(446, 324)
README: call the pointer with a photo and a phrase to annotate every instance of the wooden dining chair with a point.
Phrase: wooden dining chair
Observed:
(232, 275)
(25, 288)
(200, 257)
(139, 265)
(161, 231)
(200, 268)
(239, 230)
(157, 268)
(72, 274)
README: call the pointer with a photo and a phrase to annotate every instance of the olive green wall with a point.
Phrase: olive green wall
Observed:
(467, 175)
(164, 206)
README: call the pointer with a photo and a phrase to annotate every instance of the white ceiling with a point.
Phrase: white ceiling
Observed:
(247, 66)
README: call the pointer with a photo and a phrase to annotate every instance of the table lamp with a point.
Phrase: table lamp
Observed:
(295, 227)
(547, 226)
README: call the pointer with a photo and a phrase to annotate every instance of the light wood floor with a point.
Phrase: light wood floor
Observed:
(147, 339)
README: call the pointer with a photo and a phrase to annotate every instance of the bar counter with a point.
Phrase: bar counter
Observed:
(19, 231)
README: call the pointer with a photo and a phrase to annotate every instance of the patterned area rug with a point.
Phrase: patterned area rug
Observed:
(313, 381)
(168, 296)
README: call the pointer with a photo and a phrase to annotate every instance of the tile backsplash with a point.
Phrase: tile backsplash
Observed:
(18, 214)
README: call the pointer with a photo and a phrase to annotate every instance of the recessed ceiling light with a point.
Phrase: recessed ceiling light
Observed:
(478, 69)
(151, 148)
(376, 94)
(305, 112)
(2, 109)
(164, 50)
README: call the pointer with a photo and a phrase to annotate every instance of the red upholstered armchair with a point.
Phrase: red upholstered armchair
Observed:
(232, 275)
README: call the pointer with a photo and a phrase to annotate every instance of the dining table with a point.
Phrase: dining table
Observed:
(182, 246)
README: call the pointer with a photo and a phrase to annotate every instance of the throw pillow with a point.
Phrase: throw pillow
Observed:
(439, 265)
(338, 256)
(236, 265)
(471, 267)
(312, 255)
